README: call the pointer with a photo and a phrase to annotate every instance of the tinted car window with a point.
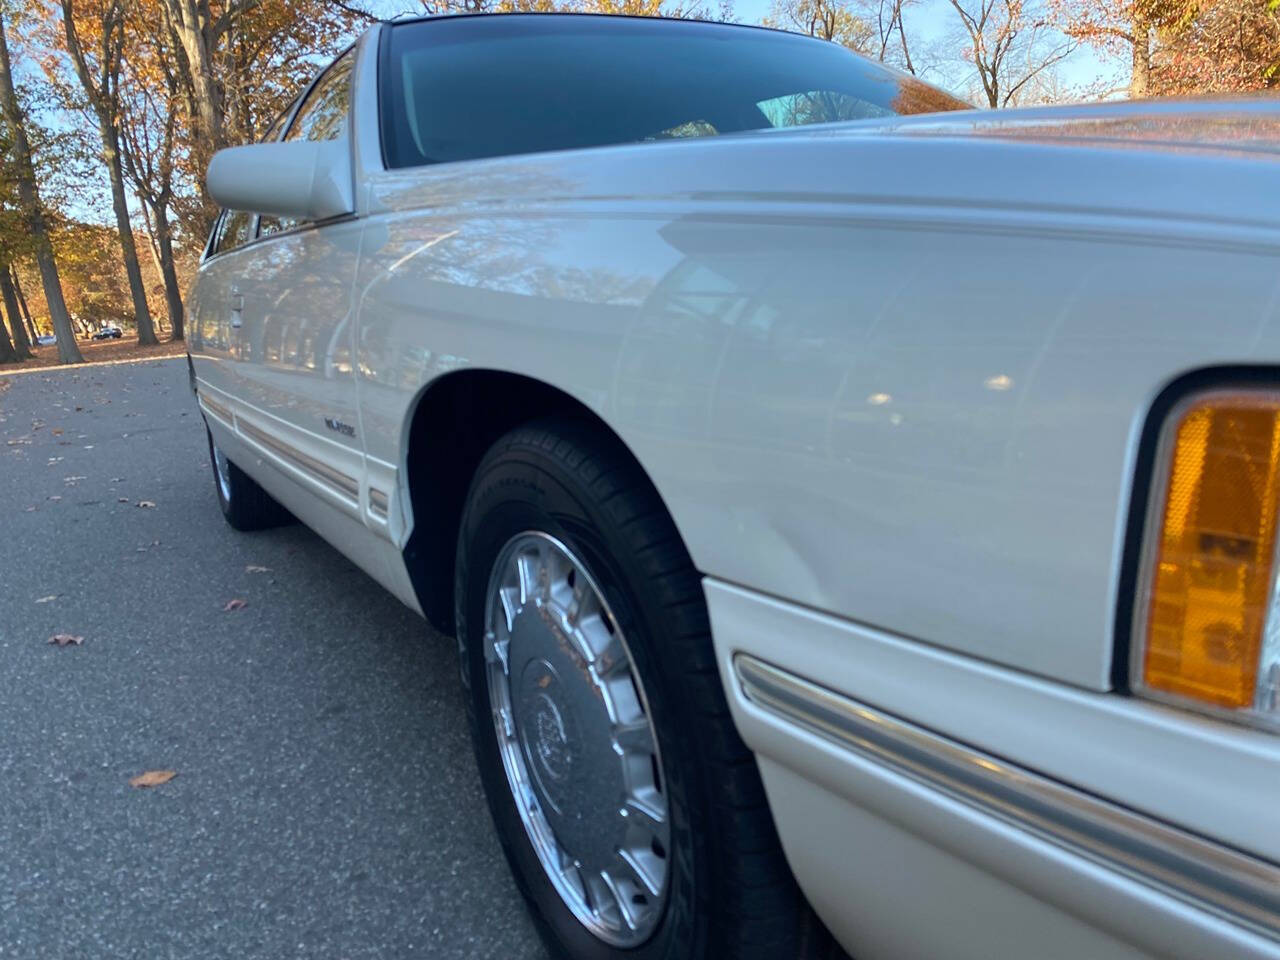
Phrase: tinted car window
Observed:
(277, 125)
(322, 116)
(232, 230)
(470, 87)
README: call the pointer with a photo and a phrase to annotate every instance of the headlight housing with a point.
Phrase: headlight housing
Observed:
(1207, 617)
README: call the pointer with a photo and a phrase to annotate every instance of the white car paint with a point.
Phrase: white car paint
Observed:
(889, 379)
(314, 177)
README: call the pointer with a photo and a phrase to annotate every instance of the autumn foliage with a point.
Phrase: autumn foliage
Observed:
(136, 95)
(1181, 47)
(141, 93)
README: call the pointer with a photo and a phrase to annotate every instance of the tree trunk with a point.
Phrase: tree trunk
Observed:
(902, 36)
(1140, 79)
(111, 156)
(68, 351)
(22, 304)
(205, 95)
(153, 248)
(172, 289)
(990, 82)
(21, 343)
(6, 347)
(7, 353)
(186, 22)
(29, 196)
(21, 346)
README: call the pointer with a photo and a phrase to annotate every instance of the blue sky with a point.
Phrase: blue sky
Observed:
(932, 21)
(929, 24)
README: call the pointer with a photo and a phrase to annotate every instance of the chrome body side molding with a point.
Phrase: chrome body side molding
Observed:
(217, 409)
(1206, 875)
(348, 486)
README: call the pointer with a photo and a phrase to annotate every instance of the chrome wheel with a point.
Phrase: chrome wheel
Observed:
(574, 731)
(222, 471)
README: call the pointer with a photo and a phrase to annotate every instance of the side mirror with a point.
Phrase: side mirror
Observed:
(309, 180)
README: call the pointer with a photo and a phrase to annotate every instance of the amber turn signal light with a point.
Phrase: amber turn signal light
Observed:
(1204, 610)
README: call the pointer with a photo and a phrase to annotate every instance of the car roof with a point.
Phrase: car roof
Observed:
(602, 17)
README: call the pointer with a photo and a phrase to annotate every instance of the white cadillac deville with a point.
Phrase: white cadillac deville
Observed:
(872, 522)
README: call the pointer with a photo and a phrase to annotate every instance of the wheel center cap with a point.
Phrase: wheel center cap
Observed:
(562, 725)
(549, 741)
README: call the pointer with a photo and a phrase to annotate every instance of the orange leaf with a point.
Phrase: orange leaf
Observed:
(152, 778)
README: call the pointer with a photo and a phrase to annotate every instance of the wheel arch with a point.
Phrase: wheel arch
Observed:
(451, 424)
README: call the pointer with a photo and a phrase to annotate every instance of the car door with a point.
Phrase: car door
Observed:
(211, 339)
(292, 303)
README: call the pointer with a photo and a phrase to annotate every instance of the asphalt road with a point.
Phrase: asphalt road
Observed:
(326, 803)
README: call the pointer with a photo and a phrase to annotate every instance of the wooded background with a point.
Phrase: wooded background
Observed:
(129, 99)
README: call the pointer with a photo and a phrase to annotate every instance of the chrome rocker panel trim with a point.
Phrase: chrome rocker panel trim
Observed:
(347, 486)
(217, 409)
(1206, 875)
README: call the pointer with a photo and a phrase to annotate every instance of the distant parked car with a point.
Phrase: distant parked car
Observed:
(46, 340)
(109, 332)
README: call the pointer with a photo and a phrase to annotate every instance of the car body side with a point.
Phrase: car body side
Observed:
(894, 401)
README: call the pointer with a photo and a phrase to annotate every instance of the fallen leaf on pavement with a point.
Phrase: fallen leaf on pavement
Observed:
(152, 778)
(146, 503)
(236, 604)
(55, 497)
(254, 568)
(51, 597)
(56, 431)
(66, 640)
(122, 499)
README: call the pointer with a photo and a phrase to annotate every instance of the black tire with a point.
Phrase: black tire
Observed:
(245, 505)
(730, 893)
